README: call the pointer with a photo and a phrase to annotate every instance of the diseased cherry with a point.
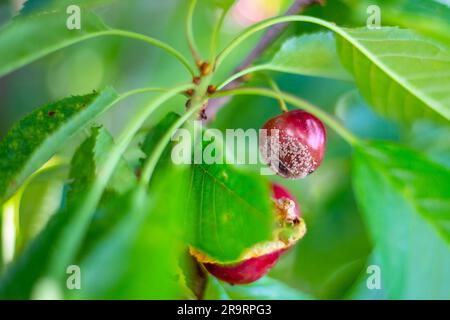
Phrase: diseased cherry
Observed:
(293, 144)
(259, 259)
(246, 271)
(287, 207)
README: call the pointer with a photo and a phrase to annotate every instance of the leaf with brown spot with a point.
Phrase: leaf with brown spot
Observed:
(36, 138)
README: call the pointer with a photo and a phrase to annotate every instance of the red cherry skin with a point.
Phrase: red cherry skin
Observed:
(246, 271)
(280, 193)
(294, 144)
(252, 269)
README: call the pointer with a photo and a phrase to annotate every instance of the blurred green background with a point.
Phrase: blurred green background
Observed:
(331, 259)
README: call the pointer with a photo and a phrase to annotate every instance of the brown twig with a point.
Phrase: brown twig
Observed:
(268, 38)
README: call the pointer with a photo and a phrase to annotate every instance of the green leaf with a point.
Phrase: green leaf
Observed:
(143, 249)
(34, 140)
(313, 55)
(405, 199)
(402, 75)
(33, 6)
(45, 250)
(40, 199)
(83, 210)
(222, 204)
(264, 289)
(86, 165)
(428, 17)
(228, 211)
(88, 161)
(157, 132)
(28, 38)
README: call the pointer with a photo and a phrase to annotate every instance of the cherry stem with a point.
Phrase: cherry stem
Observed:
(155, 42)
(198, 102)
(275, 87)
(215, 35)
(190, 33)
(297, 102)
(266, 41)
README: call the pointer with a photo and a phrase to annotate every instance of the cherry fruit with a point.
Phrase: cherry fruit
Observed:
(293, 144)
(259, 259)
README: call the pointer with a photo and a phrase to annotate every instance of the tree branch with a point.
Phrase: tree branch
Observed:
(268, 38)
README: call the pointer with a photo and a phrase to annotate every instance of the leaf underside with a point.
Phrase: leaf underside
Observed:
(313, 54)
(401, 74)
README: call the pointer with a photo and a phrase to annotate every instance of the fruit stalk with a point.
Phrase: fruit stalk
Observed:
(297, 102)
(267, 39)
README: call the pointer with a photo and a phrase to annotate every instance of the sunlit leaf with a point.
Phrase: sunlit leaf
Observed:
(401, 74)
(428, 17)
(313, 55)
